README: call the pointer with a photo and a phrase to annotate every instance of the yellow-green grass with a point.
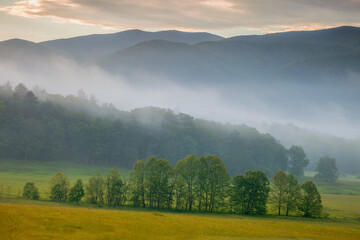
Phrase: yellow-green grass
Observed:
(15, 173)
(21, 221)
(342, 206)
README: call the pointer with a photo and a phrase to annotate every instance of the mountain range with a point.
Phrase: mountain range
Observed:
(323, 55)
(306, 75)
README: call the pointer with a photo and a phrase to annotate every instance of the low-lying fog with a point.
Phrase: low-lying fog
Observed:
(318, 108)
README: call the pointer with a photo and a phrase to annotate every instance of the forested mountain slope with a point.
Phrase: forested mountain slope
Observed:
(47, 130)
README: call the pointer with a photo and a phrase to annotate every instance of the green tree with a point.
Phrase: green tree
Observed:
(179, 191)
(77, 192)
(137, 184)
(158, 173)
(326, 169)
(277, 193)
(310, 204)
(217, 183)
(297, 160)
(94, 190)
(114, 188)
(187, 169)
(59, 187)
(2, 106)
(30, 191)
(250, 192)
(163, 177)
(292, 194)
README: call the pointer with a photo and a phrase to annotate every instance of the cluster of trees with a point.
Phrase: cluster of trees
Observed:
(48, 127)
(326, 169)
(288, 195)
(195, 184)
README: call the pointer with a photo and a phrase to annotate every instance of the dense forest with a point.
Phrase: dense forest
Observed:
(47, 127)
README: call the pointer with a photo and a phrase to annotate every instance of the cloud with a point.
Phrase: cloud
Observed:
(208, 15)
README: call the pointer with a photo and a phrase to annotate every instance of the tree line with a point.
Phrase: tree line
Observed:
(49, 127)
(195, 184)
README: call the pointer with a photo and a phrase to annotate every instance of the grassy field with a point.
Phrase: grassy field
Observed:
(14, 174)
(340, 200)
(24, 221)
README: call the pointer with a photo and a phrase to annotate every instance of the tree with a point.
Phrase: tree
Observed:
(137, 184)
(164, 173)
(292, 194)
(77, 192)
(21, 90)
(297, 160)
(277, 194)
(187, 169)
(114, 188)
(94, 190)
(310, 203)
(158, 173)
(217, 182)
(59, 187)
(179, 191)
(30, 191)
(250, 192)
(326, 169)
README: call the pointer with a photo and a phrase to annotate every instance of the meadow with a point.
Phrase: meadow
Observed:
(26, 219)
(15, 173)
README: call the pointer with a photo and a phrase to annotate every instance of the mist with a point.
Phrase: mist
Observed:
(253, 103)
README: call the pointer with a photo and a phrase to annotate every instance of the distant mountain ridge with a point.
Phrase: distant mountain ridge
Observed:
(301, 75)
(202, 57)
(85, 47)
(345, 35)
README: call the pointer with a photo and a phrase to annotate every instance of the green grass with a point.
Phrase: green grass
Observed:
(15, 173)
(341, 200)
(342, 206)
(29, 221)
(348, 185)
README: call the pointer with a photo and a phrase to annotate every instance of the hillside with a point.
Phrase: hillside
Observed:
(178, 62)
(45, 131)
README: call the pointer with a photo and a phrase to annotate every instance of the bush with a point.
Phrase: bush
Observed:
(58, 193)
(30, 191)
(76, 192)
(59, 187)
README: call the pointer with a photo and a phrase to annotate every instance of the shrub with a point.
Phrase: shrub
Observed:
(30, 191)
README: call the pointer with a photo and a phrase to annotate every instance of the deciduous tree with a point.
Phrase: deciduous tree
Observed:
(59, 187)
(94, 190)
(297, 160)
(292, 194)
(250, 192)
(77, 192)
(30, 191)
(326, 169)
(310, 202)
(137, 184)
(277, 194)
(187, 169)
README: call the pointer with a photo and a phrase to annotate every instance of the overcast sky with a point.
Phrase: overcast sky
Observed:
(40, 20)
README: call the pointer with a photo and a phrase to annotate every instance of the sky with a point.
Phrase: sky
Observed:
(40, 20)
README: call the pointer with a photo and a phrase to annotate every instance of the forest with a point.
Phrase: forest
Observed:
(48, 127)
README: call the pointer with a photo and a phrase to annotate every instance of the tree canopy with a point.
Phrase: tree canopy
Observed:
(47, 127)
(326, 169)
